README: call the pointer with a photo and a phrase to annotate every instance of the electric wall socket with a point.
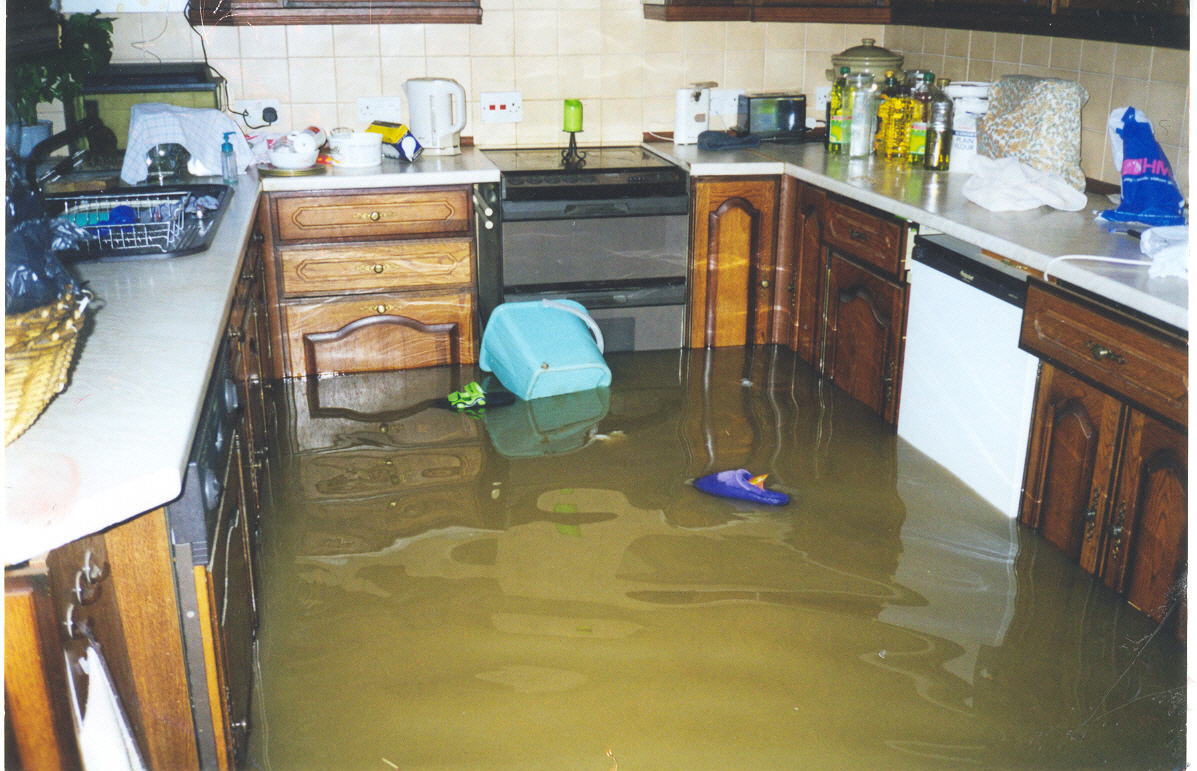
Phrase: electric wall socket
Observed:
(822, 97)
(387, 108)
(253, 111)
(725, 101)
(502, 107)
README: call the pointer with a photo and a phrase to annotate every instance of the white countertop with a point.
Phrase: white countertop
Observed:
(115, 443)
(936, 202)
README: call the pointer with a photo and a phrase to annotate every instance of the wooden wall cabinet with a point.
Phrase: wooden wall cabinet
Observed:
(733, 232)
(825, 11)
(1106, 477)
(257, 12)
(372, 280)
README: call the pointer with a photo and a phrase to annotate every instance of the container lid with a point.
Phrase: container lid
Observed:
(867, 56)
(958, 90)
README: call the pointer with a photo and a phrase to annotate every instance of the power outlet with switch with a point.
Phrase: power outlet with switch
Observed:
(386, 108)
(725, 101)
(257, 113)
(502, 107)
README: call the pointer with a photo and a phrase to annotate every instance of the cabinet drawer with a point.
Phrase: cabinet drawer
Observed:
(379, 332)
(865, 235)
(435, 211)
(371, 268)
(1146, 366)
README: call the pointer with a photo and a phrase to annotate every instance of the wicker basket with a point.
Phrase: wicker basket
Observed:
(39, 346)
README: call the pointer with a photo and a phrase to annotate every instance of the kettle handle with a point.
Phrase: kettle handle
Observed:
(457, 95)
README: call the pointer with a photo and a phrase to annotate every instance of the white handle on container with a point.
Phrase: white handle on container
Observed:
(585, 317)
(457, 99)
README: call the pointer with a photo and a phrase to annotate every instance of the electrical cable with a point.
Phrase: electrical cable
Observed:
(224, 82)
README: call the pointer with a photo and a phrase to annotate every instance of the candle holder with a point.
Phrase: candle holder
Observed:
(572, 158)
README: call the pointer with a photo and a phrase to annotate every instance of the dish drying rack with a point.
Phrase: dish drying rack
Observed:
(148, 223)
(128, 222)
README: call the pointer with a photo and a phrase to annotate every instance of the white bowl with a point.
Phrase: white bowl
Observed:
(289, 158)
(358, 149)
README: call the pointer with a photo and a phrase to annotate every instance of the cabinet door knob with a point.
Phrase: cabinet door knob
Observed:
(375, 216)
(765, 283)
(1102, 353)
(378, 267)
(380, 309)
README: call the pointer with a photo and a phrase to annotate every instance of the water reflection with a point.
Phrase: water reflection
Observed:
(539, 586)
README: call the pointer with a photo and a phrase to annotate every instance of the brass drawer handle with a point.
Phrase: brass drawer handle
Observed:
(372, 216)
(857, 235)
(381, 308)
(1101, 353)
(378, 267)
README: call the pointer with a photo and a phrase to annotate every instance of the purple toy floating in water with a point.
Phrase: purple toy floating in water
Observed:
(738, 483)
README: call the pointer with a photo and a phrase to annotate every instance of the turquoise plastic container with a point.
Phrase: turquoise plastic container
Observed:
(544, 348)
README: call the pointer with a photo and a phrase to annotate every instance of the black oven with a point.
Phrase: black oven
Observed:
(612, 234)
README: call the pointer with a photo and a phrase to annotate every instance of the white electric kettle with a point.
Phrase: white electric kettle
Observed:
(436, 114)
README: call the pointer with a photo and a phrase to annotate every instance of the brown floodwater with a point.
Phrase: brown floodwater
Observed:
(541, 587)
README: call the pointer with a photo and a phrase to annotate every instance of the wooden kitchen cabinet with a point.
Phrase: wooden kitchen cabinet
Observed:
(372, 280)
(864, 329)
(1106, 476)
(257, 12)
(801, 269)
(825, 11)
(733, 233)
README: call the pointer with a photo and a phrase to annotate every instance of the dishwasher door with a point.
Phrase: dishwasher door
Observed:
(968, 391)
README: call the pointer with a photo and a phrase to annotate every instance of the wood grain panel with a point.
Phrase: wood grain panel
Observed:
(428, 330)
(1144, 366)
(377, 267)
(35, 689)
(373, 214)
(870, 236)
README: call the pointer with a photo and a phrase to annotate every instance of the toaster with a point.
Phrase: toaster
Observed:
(774, 115)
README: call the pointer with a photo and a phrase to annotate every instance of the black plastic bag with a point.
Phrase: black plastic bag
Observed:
(33, 275)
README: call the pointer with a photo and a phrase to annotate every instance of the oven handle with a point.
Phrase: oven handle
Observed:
(516, 211)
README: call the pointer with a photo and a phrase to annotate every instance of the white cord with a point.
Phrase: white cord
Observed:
(1093, 258)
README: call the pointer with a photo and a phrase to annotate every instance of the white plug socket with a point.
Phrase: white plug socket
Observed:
(502, 107)
(386, 108)
(252, 109)
(725, 101)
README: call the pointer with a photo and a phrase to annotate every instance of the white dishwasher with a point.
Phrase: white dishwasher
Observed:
(967, 389)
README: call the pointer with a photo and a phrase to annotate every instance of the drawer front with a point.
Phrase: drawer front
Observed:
(371, 268)
(873, 239)
(1144, 366)
(380, 332)
(373, 215)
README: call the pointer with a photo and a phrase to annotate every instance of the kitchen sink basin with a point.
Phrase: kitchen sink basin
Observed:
(144, 223)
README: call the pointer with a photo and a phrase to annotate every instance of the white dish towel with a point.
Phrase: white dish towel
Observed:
(1008, 184)
(199, 130)
(105, 739)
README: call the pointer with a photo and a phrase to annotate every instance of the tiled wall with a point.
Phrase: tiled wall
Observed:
(1152, 80)
(625, 69)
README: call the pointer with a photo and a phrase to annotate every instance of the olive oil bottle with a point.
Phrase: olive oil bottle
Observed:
(893, 119)
(920, 97)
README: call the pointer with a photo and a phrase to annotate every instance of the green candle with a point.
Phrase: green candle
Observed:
(573, 115)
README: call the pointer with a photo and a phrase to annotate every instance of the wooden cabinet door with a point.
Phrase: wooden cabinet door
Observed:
(1070, 464)
(798, 298)
(732, 261)
(864, 322)
(1146, 527)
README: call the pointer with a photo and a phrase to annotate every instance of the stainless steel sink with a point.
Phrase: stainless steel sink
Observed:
(143, 223)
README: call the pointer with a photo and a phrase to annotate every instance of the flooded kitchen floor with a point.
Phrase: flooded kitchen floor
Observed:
(541, 587)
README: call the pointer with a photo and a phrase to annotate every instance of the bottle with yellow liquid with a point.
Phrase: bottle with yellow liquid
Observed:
(920, 97)
(893, 119)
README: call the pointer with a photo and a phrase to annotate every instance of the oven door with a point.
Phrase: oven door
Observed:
(582, 246)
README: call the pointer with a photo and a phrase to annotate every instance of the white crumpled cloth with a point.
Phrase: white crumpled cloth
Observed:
(199, 130)
(1008, 184)
(1168, 248)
